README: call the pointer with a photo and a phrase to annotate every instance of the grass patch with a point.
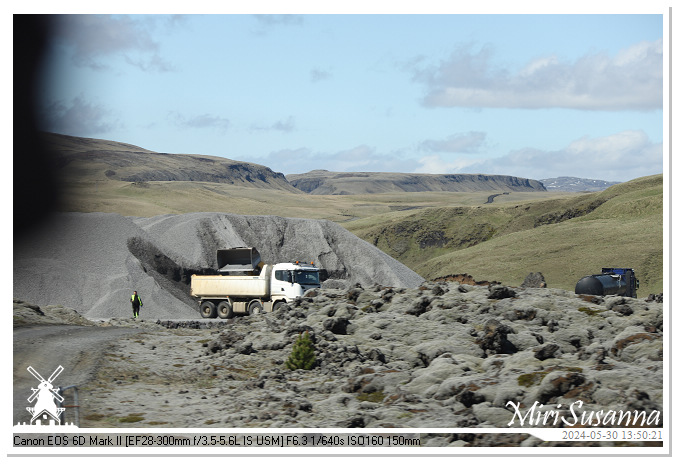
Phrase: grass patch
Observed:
(373, 397)
(590, 311)
(534, 378)
(131, 418)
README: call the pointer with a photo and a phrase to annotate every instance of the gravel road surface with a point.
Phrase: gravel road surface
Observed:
(78, 349)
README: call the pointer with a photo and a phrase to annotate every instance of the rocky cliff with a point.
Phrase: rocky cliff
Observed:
(357, 183)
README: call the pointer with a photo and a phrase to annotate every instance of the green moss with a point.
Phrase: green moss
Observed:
(570, 369)
(534, 378)
(374, 397)
(590, 311)
(528, 380)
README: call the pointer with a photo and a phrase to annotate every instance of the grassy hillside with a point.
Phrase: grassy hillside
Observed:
(564, 238)
(177, 197)
(419, 236)
(78, 160)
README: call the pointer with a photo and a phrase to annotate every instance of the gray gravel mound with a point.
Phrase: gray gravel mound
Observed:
(93, 261)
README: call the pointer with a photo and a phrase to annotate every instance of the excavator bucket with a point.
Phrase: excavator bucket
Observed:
(238, 259)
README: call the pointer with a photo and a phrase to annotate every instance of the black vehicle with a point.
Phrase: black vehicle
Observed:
(612, 281)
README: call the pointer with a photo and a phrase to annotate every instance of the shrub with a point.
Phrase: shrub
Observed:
(302, 356)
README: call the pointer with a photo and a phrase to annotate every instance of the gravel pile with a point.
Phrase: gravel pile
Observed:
(92, 262)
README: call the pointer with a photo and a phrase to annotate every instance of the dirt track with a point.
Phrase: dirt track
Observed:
(78, 349)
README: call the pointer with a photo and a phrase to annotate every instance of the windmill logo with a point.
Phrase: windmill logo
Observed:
(44, 396)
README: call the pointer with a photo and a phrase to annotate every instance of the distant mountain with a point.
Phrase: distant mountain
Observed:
(321, 182)
(576, 184)
(93, 159)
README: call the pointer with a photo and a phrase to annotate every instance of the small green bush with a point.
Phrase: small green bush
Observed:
(302, 356)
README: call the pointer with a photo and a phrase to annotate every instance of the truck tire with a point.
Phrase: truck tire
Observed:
(208, 310)
(277, 305)
(255, 307)
(225, 310)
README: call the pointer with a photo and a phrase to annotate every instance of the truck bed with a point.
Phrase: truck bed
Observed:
(218, 286)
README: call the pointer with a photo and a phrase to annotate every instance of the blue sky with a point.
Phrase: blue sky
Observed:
(535, 96)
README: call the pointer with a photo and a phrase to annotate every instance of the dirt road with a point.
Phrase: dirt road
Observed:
(78, 349)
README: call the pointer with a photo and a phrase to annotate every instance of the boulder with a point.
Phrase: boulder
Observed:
(534, 280)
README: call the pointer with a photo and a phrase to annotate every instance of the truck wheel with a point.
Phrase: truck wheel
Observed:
(277, 305)
(225, 310)
(255, 307)
(208, 310)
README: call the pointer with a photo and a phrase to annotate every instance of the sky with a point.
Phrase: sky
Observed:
(529, 95)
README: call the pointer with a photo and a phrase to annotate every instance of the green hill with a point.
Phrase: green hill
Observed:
(563, 238)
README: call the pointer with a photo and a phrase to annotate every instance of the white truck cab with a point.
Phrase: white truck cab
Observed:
(292, 280)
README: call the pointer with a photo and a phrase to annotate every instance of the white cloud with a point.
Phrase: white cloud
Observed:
(618, 157)
(202, 121)
(360, 158)
(155, 63)
(471, 142)
(92, 38)
(631, 80)
(434, 164)
(286, 125)
(318, 75)
(79, 117)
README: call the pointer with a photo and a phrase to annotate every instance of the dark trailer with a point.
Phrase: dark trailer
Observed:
(612, 281)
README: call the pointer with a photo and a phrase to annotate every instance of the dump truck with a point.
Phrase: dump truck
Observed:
(245, 285)
(612, 281)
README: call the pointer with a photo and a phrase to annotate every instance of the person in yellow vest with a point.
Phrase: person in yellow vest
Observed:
(136, 304)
